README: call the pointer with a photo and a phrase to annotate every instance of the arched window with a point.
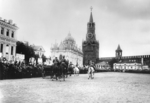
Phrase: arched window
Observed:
(2, 30)
(1, 49)
(7, 33)
(12, 34)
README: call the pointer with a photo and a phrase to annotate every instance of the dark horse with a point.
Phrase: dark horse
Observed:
(64, 68)
(56, 71)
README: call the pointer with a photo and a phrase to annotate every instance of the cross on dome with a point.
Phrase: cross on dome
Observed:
(91, 8)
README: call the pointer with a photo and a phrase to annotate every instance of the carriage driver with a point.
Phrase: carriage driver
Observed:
(64, 61)
(55, 61)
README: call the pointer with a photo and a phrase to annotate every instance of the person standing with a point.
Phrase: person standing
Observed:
(91, 70)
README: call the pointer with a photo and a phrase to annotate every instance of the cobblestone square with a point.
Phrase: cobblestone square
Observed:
(106, 87)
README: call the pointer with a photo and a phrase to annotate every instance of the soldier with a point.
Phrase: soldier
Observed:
(1, 70)
(55, 68)
(64, 61)
(63, 66)
(70, 68)
(91, 70)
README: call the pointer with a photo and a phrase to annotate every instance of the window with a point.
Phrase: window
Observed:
(1, 50)
(12, 34)
(2, 30)
(12, 50)
(7, 33)
(7, 49)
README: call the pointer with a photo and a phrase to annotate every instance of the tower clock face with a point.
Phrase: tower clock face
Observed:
(90, 35)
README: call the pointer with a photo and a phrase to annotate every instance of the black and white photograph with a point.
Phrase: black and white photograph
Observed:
(74, 51)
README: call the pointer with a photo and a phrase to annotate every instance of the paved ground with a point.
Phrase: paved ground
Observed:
(105, 88)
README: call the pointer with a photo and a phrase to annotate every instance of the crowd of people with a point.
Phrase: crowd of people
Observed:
(17, 69)
(60, 68)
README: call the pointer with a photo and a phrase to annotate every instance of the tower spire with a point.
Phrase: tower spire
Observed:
(91, 8)
(118, 47)
(91, 16)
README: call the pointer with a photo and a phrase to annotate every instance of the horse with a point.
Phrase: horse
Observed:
(91, 72)
(70, 69)
(56, 71)
(63, 70)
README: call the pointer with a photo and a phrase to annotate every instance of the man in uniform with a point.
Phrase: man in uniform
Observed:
(91, 70)
(64, 66)
(1, 69)
(55, 70)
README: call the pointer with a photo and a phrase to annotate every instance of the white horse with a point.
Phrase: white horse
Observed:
(76, 70)
(91, 72)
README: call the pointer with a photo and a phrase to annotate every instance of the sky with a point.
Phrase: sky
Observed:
(45, 22)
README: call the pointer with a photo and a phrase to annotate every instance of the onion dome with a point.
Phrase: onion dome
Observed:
(69, 38)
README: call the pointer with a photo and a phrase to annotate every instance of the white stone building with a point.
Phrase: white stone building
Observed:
(69, 49)
(102, 66)
(127, 66)
(8, 39)
(39, 50)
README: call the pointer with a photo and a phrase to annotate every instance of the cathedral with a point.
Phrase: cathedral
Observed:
(90, 46)
(69, 49)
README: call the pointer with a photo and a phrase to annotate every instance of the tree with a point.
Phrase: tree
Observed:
(43, 58)
(26, 50)
(36, 56)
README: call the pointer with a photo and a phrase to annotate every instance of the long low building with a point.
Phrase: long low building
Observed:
(127, 66)
(69, 49)
(102, 66)
(128, 62)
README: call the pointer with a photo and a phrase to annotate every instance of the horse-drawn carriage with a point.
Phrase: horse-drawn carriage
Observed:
(47, 71)
(57, 70)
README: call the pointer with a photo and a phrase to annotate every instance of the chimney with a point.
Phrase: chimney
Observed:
(5, 20)
(14, 24)
(10, 21)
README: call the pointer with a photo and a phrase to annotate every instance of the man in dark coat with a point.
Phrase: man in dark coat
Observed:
(1, 70)
(55, 68)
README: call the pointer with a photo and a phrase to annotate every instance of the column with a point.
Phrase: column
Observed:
(0, 50)
(14, 50)
(4, 50)
(9, 53)
(14, 34)
(5, 30)
(142, 60)
(0, 30)
(0, 47)
(10, 33)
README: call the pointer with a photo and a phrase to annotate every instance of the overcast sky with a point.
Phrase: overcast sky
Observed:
(44, 22)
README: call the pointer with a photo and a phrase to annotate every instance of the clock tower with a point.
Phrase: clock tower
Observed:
(90, 46)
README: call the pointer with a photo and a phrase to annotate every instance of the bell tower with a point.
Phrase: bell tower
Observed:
(118, 52)
(90, 36)
(90, 46)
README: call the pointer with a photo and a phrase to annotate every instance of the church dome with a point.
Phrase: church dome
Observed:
(68, 43)
(69, 38)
